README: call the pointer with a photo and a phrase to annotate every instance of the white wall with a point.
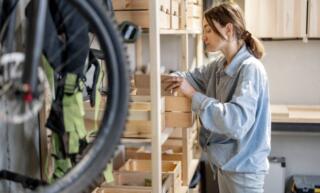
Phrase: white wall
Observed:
(293, 68)
(301, 152)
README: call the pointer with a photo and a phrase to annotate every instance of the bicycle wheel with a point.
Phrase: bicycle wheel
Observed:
(84, 175)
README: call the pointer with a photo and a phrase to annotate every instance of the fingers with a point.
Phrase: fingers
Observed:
(173, 86)
(173, 83)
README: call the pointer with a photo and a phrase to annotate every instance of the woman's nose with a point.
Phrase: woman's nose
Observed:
(204, 38)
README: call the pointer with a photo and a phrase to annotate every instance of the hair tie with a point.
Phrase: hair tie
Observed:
(246, 35)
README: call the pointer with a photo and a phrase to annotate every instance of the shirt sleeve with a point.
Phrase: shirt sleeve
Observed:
(235, 117)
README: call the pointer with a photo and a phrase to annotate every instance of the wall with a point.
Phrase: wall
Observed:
(293, 68)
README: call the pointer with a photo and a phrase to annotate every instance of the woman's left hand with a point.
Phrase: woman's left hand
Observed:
(181, 83)
(187, 89)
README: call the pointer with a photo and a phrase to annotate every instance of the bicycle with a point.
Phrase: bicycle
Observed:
(24, 86)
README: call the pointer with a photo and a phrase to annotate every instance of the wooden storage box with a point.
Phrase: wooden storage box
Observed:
(137, 4)
(130, 4)
(137, 11)
(172, 168)
(177, 110)
(194, 23)
(172, 150)
(142, 83)
(175, 14)
(194, 15)
(178, 120)
(135, 182)
(138, 123)
(194, 10)
(141, 18)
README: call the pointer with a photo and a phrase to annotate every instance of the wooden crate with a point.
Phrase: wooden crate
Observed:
(178, 120)
(172, 168)
(177, 109)
(130, 4)
(194, 23)
(172, 150)
(135, 182)
(137, 4)
(142, 83)
(194, 10)
(175, 14)
(194, 15)
(141, 18)
(177, 104)
(138, 123)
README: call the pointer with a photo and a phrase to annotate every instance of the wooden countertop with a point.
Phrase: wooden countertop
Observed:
(295, 113)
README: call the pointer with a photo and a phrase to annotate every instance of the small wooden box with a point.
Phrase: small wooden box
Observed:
(135, 182)
(138, 123)
(130, 4)
(175, 14)
(172, 168)
(194, 23)
(177, 104)
(194, 10)
(178, 120)
(175, 22)
(136, 4)
(142, 83)
(141, 18)
(194, 15)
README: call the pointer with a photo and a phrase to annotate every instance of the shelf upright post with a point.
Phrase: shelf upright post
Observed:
(199, 50)
(185, 52)
(155, 94)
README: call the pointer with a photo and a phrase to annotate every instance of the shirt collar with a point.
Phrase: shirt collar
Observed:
(237, 60)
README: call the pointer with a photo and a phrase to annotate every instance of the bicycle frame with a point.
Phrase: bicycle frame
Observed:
(34, 47)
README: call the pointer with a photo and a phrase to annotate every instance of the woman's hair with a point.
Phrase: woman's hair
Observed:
(225, 13)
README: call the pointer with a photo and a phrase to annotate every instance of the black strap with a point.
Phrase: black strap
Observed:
(26, 181)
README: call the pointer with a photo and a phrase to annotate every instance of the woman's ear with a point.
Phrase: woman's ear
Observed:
(229, 31)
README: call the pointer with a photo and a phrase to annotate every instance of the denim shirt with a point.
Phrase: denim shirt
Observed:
(234, 110)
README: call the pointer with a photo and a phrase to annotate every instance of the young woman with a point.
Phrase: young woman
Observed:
(231, 98)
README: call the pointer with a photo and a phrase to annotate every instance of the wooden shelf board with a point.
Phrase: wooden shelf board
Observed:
(174, 31)
(136, 142)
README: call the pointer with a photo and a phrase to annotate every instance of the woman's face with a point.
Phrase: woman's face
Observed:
(211, 39)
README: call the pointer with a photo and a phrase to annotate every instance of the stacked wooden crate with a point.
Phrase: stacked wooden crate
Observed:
(139, 120)
(194, 14)
(137, 11)
(177, 108)
(135, 176)
(175, 14)
(172, 150)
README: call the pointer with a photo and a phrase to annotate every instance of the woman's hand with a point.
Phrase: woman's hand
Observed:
(176, 82)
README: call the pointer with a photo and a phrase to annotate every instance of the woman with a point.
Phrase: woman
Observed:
(231, 98)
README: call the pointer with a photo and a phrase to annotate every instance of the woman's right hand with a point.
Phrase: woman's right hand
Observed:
(173, 83)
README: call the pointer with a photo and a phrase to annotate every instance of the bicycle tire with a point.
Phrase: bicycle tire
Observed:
(86, 174)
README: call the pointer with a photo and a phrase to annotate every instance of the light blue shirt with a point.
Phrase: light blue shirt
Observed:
(234, 109)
